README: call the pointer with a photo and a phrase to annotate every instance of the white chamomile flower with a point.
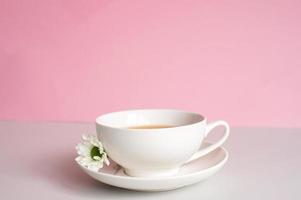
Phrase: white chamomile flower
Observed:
(91, 153)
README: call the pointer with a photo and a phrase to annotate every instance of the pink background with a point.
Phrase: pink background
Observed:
(73, 60)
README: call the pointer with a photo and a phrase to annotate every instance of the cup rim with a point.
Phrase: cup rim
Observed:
(202, 119)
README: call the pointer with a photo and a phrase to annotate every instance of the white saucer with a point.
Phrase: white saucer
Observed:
(190, 173)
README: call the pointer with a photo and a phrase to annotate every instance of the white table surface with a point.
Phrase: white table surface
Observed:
(37, 162)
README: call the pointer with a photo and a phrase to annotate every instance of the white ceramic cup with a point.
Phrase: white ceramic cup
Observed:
(155, 152)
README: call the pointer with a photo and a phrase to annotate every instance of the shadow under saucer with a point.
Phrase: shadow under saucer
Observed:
(61, 171)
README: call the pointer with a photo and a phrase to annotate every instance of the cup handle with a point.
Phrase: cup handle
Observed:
(212, 147)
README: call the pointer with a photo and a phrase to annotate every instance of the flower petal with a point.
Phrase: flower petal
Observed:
(106, 161)
(84, 149)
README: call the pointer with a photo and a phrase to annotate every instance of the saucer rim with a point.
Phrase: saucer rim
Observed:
(126, 177)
